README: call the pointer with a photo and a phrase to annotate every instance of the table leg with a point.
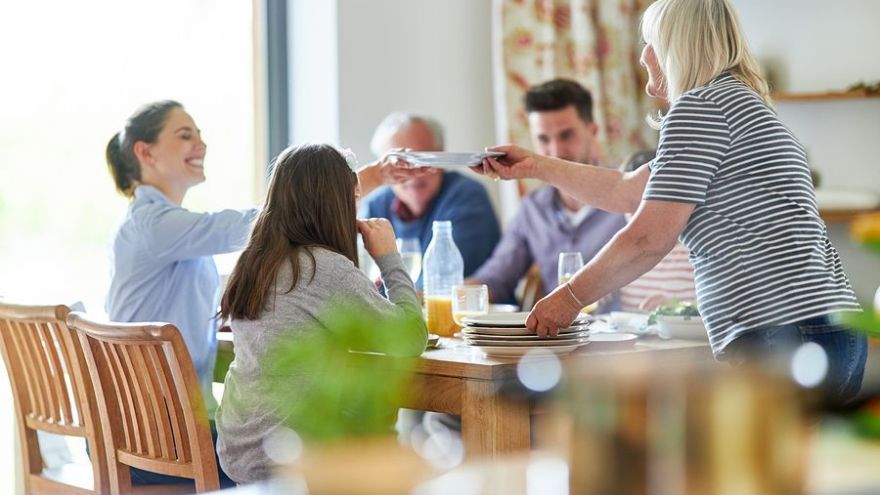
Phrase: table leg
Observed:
(492, 425)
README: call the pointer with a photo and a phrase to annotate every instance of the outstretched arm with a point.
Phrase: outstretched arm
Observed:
(599, 187)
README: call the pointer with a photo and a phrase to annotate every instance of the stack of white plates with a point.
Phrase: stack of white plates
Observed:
(505, 334)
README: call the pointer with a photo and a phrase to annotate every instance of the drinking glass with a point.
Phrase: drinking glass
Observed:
(411, 254)
(366, 263)
(469, 300)
(569, 264)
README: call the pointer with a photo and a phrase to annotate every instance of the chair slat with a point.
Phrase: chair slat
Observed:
(65, 339)
(184, 453)
(117, 395)
(127, 398)
(53, 350)
(157, 400)
(43, 349)
(33, 364)
(21, 355)
(140, 376)
(176, 426)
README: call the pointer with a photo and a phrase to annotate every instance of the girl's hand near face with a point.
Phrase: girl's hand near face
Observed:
(378, 236)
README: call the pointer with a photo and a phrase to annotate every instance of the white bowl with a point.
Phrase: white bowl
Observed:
(682, 327)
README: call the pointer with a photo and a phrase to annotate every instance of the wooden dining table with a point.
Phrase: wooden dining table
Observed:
(456, 378)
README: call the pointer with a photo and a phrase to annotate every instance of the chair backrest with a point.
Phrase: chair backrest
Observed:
(532, 288)
(51, 390)
(149, 400)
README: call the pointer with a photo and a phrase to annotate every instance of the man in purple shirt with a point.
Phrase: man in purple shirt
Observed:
(561, 124)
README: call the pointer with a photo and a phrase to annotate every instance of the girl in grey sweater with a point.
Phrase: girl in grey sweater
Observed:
(302, 255)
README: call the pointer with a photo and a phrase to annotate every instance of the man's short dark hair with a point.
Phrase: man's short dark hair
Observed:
(557, 94)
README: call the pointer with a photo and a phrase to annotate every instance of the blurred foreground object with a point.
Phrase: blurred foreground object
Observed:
(866, 230)
(340, 437)
(649, 427)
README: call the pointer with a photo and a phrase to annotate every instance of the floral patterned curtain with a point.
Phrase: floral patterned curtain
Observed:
(594, 42)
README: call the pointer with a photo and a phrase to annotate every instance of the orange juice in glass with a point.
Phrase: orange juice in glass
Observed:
(440, 316)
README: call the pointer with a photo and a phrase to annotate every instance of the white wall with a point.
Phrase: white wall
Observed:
(426, 56)
(820, 45)
(313, 71)
(355, 61)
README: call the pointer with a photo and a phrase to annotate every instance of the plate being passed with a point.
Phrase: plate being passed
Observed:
(500, 351)
(511, 320)
(444, 158)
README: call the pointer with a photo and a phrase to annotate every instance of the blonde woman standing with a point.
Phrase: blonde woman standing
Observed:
(732, 182)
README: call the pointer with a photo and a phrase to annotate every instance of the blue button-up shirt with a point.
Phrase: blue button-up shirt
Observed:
(163, 270)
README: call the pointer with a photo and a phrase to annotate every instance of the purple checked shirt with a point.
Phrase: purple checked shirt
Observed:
(539, 232)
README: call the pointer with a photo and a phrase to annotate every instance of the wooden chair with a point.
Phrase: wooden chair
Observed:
(52, 393)
(149, 401)
(532, 288)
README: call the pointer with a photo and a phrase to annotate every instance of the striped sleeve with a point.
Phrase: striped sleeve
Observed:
(694, 140)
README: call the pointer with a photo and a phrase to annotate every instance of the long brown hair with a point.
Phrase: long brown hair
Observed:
(310, 203)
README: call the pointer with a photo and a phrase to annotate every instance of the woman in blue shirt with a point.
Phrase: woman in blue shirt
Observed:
(162, 265)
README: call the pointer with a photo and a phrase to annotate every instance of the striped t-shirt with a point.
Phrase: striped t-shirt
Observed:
(672, 279)
(760, 252)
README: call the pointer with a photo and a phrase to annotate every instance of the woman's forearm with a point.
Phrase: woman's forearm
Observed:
(599, 187)
(621, 261)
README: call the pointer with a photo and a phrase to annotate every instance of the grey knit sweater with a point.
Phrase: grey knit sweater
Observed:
(245, 419)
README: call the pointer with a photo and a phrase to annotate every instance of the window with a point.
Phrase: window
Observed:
(70, 85)
(72, 73)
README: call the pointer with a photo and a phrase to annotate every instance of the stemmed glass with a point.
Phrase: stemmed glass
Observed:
(366, 263)
(569, 264)
(411, 253)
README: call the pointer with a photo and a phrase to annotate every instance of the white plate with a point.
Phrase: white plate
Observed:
(677, 327)
(615, 340)
(511, 320)
(530, 336)
(503, 308)
(522, 331)
(526, 343)
(521, 351)
(444, 158)
(621, 322)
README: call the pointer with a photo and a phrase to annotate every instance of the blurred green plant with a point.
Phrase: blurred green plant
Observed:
(866, 230)
(675, 308)
(325, 392)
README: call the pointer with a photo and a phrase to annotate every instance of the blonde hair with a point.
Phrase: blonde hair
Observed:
(695, 41)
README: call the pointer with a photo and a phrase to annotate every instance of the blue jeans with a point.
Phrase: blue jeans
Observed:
(774, 346)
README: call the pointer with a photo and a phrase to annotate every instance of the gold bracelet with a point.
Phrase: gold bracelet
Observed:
(570, 291)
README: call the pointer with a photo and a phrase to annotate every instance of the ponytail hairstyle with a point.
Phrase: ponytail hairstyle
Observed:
(695, 41)
(310, 203)
(144, 125)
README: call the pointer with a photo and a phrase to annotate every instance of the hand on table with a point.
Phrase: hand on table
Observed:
(378, 236)
(557, 310)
